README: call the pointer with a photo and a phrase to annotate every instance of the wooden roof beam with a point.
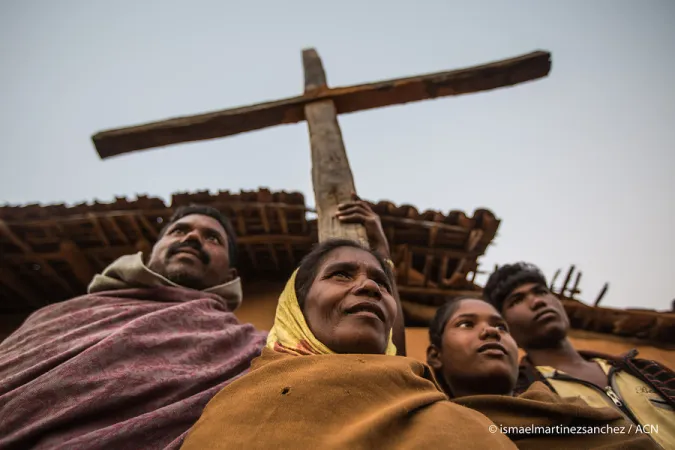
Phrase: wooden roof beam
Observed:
(601, 294)
(241, 223)
(423, 224)
(418, 290)
(99, 229)
(148, 226)
(145, 246)
(441, 252)
(568, 277)
(274, 239)
(349, 99)
(6, 231)
(115, 226)
(79, 264)
(251, 255)
(264, 220)
(9, 279)
(281, 215)
(553, 280)
(461, 271)
(58, 220)
(426, 270)
(443, 268)
(131, 219)
(273, 254)
(575, 288)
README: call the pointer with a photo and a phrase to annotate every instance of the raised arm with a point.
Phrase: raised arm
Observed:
(358, 211)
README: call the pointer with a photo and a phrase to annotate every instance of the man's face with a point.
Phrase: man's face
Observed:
(535, 316)
(193, 252)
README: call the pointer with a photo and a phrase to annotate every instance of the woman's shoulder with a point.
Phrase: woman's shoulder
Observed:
(277, 360)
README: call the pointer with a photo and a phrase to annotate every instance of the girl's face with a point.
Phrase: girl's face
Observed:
(476, 348)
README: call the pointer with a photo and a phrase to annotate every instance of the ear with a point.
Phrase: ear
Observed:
(434, 357)
(232, 274)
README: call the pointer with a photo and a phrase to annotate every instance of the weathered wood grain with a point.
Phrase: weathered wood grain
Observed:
(331, 175)
(348, 99)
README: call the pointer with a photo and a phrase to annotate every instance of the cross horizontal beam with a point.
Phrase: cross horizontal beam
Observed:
(346, 99)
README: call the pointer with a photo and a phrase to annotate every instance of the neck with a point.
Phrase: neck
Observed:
(466, 388)
(560, 354)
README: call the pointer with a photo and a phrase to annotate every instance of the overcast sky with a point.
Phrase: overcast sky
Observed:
(579, 166)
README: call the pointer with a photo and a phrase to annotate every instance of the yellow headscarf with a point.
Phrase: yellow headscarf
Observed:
(290, 333)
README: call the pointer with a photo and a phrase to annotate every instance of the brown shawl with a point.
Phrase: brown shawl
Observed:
(538, 406)
(338, 402)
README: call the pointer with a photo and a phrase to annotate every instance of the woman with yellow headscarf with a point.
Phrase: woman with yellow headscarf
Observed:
(328, 378)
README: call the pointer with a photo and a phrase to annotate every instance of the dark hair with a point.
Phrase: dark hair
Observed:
(209, 211)
(507, 278)
(310, 264)
(443, 314)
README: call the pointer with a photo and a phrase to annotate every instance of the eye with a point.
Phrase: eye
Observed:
(177, 231)
(514, 301)
(213, 238)
(341, 274)
(465, 324)
(502, 327)
(383, 284)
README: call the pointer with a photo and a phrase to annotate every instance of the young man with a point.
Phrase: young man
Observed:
(475, 360)
(643, 390)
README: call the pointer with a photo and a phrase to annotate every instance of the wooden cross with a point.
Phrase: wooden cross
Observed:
(320, 106)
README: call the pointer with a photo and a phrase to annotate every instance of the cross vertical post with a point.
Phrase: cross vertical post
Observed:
(331, 175)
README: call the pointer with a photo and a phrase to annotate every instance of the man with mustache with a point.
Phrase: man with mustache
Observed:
(644, 391)
(132, 363)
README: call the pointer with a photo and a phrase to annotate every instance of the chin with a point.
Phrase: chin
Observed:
(551, 333)
(501, 372)
(186, 278)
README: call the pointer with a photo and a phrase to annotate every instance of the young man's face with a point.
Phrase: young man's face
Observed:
(535, 316)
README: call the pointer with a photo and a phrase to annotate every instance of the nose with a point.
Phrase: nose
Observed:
(490, 332)
(193, 235)
(537, 302)
(367, 287)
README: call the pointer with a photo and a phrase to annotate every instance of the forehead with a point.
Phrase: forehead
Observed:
(199, 221)
(350, 255)
(475, 306)
(523, 288)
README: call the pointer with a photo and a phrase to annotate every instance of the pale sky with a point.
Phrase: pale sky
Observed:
(579, 166)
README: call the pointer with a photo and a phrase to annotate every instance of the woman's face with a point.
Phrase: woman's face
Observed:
(477, 350)
(349, 306)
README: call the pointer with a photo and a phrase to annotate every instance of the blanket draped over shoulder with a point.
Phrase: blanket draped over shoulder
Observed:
(338, 402)
(587, 427)
(130, 365)
(300, 394)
